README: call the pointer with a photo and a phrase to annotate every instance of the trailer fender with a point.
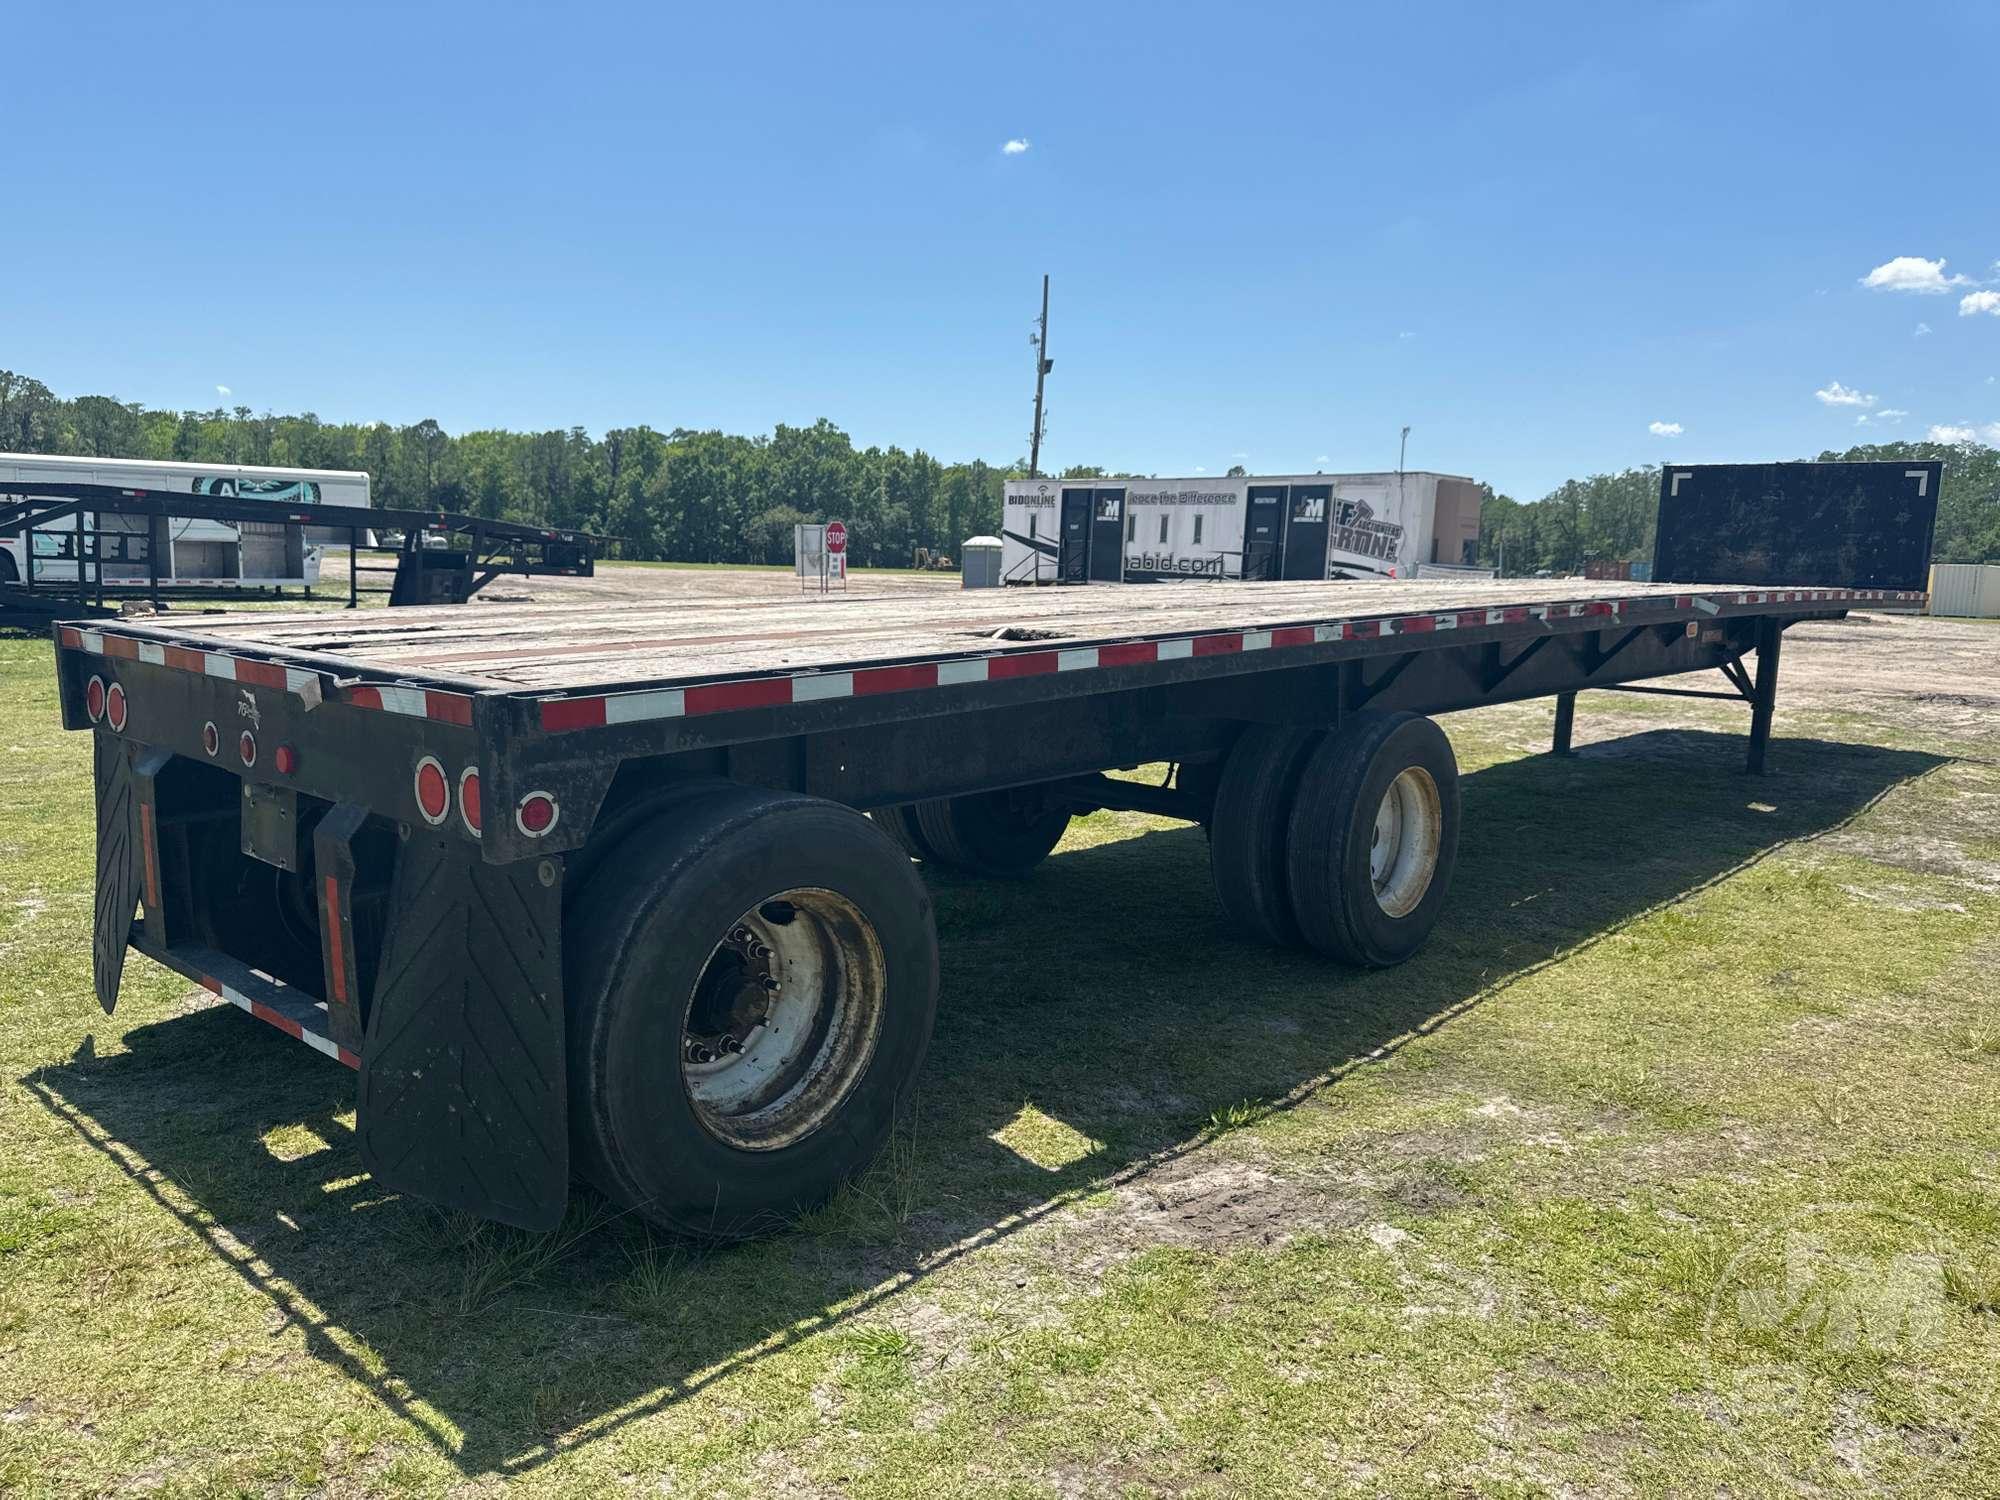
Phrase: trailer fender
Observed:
(463, 1098)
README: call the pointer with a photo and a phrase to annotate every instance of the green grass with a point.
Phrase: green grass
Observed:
(1672, 1166)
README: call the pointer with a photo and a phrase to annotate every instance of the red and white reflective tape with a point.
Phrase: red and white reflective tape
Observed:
(599, 710)
(417, 702)
(412, 702)
(284, 1023)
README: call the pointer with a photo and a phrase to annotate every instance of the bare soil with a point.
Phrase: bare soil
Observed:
(1932, 674)
(642, 583)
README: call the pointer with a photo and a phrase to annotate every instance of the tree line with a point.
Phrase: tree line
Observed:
(684, 495)
(708, 496)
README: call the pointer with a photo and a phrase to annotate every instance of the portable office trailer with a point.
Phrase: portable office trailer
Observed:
(1298, 526)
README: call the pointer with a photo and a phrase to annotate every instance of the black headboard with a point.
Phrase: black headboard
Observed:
(1859, 525)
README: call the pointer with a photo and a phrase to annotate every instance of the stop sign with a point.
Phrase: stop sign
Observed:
(836, 536)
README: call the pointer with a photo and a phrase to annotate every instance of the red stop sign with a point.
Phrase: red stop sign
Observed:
(836, 536)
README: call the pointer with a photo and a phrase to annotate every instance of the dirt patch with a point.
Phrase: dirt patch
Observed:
(1931, 674)
(1218, 1205)
(1919, 851)
(614, 583)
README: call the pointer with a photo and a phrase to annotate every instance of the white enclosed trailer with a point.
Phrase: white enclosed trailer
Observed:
(1279, 526)
(199, 551)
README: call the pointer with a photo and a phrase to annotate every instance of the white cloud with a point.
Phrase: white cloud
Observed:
(1016, 147)
(1199, 469)
(1979, 302)
(1239, 455)
(1322, 459)
(1406, 334)
(1988, 433)
(1664, 429)
(222, 390)
(1921, 330)
(1836, 394)
(1888, 416)
(1912, 273)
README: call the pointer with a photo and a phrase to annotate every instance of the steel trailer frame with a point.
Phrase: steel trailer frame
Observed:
(492, 547)
(336, 739)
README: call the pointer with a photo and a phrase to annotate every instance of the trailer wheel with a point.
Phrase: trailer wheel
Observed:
(900, 823)
(1246, 850)
(1003, 833)
(1374, 835)
(751, 983)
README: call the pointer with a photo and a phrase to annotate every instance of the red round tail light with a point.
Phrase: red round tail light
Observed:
(114, 707)
(433, 791)
(536, 814)
(93, 699)
(286, 759)
(246, 746)
(468, 799)
(211, 738)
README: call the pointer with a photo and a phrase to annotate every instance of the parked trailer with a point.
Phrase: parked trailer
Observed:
(1254, 527)
(690, 958)
(197, 551)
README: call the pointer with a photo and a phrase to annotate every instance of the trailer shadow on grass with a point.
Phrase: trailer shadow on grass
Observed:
(1099, 1004)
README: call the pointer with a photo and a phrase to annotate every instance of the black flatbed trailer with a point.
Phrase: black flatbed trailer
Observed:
(680, 961)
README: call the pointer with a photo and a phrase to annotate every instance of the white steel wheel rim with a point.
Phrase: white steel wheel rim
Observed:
(783, 1019)
(1403, 845)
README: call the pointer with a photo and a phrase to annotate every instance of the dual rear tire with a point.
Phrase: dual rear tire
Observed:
(1002, 834)
(1341, 840)
(751, 983)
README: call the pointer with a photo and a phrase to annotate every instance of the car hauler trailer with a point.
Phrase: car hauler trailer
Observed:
(116, 542)
(1258, 527)
(197, 551)
(630, 894)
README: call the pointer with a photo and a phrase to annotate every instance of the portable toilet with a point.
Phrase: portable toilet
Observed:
(979, 562)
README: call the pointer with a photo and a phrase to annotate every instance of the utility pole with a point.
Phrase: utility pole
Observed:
(1043, 364)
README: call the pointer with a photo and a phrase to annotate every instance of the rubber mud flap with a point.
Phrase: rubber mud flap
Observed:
(117, 867)
(464, 1098)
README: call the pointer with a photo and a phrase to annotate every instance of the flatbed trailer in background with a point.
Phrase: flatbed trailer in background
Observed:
(630, 893)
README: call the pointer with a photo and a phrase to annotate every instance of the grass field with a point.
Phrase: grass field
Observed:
(1671, 1167)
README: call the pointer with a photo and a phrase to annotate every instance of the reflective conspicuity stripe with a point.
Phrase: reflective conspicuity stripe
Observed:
(594, 711)
(412, 702)
(284, 1023)
(417, 702)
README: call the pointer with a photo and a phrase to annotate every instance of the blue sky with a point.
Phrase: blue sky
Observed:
(1277, 233)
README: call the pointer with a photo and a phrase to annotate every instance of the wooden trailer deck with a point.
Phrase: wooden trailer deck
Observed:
(565, 648)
